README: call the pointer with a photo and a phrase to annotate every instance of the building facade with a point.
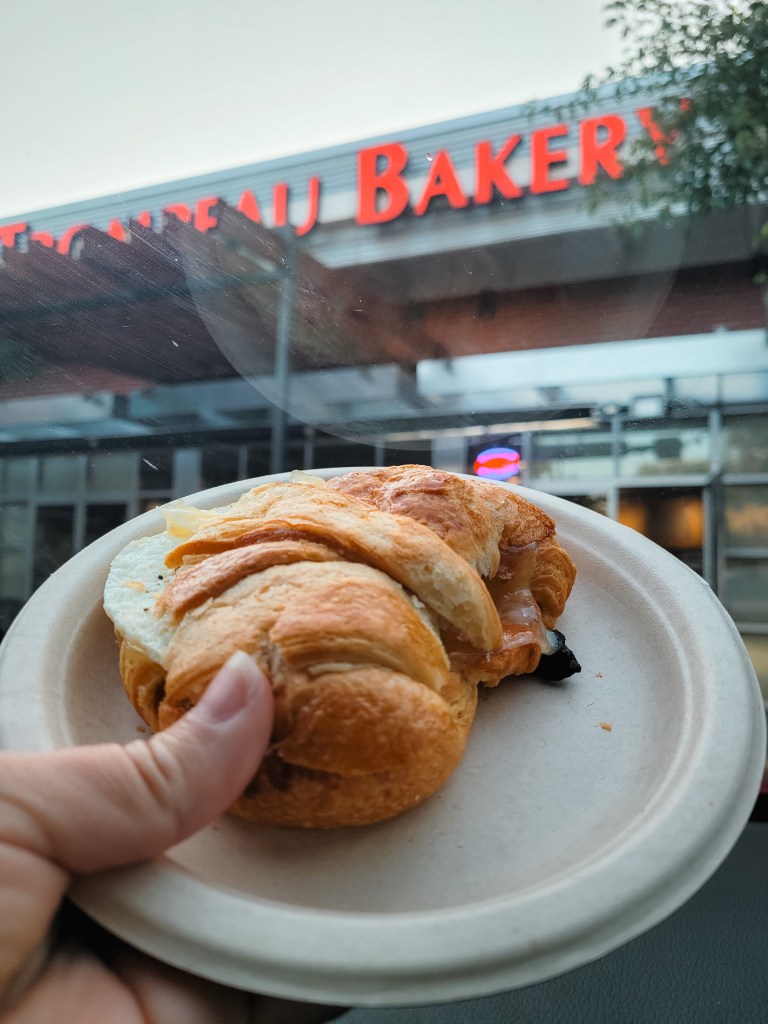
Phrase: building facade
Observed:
(423, 298)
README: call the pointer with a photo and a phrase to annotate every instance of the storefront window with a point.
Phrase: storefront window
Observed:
(746, 516)
(671, 450)
(113, 472)
(330, 453)
(14, 525)
(100, 519)
(54, 540)
(757, 645)
(572, 455)
(396, 456)
(671, 517)
(148, 504)
(745, 444)
(15, 477)
(59, 474)
(13, 582)
(219, 464)
(257, 460)
(746, 590)
(595, 502)
(745, 387)
(156, 469)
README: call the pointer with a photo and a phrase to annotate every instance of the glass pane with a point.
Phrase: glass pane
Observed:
(294, 455)
(16, 477)
(595, 502)
(14, 520)
(100, 519)
(340, 454)
(572, 455)
(745, 444)
(757, 646)
(147, 504)
(59, 474)
(701, 390)
(111, 472)
(746, 589)
(664, 451)
(397, 456)
(9, 609)
(13, 576)
(674, 519)
(257, 461)
(53, 540)
(746, 516)
(219, 465)
(156, 469)
(745, 387)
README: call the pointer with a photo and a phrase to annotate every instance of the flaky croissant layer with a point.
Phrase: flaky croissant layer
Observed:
(375, 604)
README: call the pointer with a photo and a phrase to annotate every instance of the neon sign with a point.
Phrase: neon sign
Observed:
(497, 463)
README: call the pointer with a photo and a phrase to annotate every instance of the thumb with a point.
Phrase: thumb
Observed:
(96, 807)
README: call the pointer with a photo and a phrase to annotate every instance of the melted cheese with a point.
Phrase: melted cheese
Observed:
(520, 617)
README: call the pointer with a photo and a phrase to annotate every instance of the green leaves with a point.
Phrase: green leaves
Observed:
(715, 150)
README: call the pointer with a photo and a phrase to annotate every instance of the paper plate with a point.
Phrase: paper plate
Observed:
(583, 812)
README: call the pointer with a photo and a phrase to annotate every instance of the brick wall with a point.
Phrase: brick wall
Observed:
(691, 301)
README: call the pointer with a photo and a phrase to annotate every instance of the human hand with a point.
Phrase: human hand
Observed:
(81, 810)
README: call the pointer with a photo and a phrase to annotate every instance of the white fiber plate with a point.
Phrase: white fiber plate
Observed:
(555, 841)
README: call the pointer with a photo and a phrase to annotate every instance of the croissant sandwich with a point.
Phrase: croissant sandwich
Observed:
(375, 603)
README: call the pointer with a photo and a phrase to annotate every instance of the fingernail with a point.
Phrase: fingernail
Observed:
(233, 686)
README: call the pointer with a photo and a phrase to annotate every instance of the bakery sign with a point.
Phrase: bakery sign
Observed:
(549, 159)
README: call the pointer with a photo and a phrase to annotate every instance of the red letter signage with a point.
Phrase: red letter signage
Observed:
(543, 158)
(43, 238)
(280, 195)
(280, 205)
(116, 230)
(601, 152)
(64, 244)
(10, 232)
(491, 173)
(313, 197)
(204, 219)
(387, 181)
(442, 181)
(180, 210)
(249, 207)
(661, 140)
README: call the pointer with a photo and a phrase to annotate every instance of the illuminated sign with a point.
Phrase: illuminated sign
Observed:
(497, 463)
(385, 191)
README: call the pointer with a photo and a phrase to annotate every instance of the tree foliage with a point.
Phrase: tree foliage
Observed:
(706, 66)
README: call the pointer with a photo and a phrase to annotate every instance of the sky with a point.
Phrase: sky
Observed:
(102, 96)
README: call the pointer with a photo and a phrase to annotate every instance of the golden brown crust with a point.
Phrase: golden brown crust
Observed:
(406, 550)
(449, 505)
(211, 576)
(360, 616)
(144, 682)
(494, 529)
(371, 772)
(433, 739)
(552, 580)
(372, 704)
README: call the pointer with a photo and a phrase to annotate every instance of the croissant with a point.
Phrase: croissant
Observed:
(375, 603)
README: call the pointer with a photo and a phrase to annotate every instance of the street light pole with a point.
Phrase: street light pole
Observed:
(283, 359)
